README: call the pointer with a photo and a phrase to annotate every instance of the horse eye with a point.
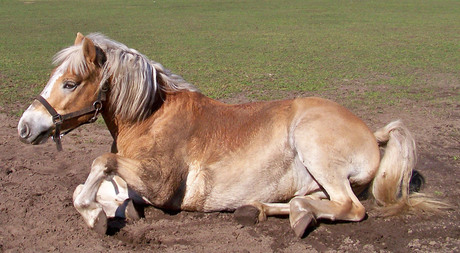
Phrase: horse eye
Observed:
(70, 85)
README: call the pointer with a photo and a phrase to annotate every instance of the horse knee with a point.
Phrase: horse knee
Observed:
(77, 191)
(78, 202)
(108, 162)
(81, 203)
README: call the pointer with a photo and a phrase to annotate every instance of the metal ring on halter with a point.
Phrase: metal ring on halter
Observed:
(97, 107)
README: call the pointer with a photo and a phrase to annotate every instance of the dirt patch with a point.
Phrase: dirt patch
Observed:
(37, 183)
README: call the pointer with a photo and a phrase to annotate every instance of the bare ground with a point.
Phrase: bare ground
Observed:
(37, 182)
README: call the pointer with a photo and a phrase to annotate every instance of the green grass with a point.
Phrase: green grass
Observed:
(226, 47)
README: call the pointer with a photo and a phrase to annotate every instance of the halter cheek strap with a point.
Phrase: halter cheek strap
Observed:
(59, 119)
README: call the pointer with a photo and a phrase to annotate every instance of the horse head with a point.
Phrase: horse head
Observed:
(73, 95)
(95, 73)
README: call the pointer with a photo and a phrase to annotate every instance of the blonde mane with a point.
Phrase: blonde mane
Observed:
(134, 78)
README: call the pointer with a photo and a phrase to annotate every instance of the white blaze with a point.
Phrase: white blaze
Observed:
(49, 86)
(39, 121)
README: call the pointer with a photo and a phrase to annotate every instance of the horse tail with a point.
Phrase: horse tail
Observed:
(391, 184)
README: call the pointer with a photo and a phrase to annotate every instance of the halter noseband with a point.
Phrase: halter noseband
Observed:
(58, 119)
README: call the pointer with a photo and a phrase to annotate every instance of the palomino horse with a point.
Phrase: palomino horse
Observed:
(176, 149)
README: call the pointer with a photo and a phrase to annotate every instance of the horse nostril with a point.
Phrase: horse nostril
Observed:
(24, 132)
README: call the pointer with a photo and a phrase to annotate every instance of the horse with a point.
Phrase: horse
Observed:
(178, 150)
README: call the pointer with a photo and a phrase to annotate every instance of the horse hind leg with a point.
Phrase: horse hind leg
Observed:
(335, 201)
(331, 159)
(342, 205)
(303, 211)
(256, 212)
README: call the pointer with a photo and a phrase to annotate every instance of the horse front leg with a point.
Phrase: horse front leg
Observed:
(116, 198)
(95, 200)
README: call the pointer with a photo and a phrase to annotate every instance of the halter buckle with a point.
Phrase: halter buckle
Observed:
(57, 119)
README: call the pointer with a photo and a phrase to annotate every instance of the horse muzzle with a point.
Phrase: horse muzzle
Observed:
(34, 127)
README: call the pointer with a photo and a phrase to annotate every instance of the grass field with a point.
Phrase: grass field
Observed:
(227, 47)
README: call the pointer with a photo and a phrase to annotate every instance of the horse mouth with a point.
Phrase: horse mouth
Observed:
(41, 138)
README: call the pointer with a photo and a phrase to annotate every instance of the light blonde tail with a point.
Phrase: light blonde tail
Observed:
(390, 187)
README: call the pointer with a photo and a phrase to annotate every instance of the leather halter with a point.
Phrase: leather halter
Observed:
(58, 119)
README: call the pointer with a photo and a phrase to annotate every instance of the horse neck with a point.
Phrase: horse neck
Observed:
(167, 103)
(111, 123)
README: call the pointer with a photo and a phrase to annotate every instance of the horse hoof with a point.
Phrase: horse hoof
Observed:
(100, 224)
(247, 215)
(131, 212)
(303, 223)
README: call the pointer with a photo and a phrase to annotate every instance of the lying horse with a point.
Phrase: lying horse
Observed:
(176, 149)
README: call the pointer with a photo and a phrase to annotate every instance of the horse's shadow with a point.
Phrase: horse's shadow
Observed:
(128, 211)
(114, 225)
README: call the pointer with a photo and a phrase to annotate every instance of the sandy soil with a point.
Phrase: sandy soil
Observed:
(37, 182)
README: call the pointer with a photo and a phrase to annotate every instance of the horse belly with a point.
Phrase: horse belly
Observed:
(245, 187)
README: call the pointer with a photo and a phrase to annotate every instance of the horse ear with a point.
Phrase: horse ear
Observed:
(89, 50)
(79, 38)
